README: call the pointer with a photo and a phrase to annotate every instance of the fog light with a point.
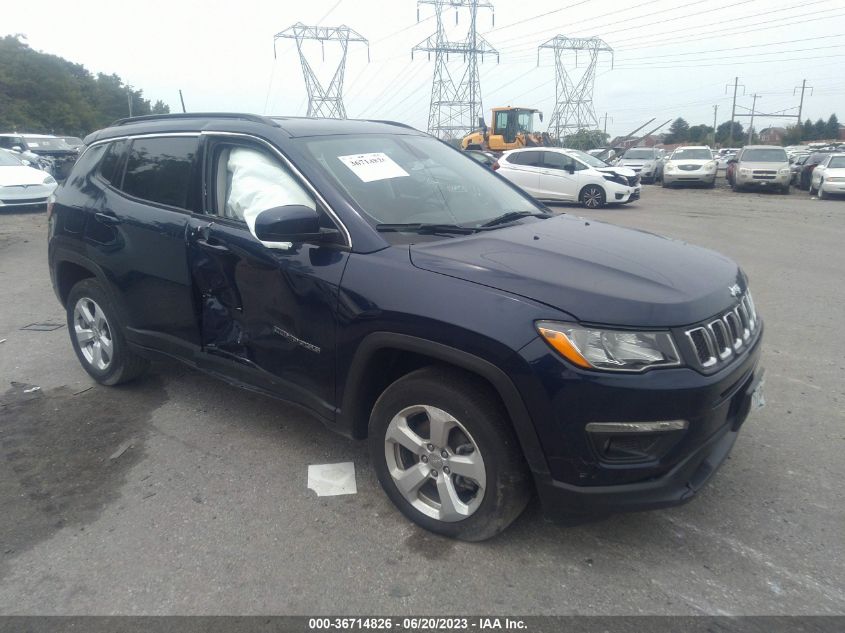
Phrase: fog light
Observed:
(632, 442)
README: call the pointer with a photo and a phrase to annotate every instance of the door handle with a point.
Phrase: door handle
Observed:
(108, 218)
(211, 244)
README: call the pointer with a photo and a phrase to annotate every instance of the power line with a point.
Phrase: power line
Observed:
(536, 17)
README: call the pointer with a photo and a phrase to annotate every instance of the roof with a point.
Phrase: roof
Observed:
(28, 135)
(292, 127)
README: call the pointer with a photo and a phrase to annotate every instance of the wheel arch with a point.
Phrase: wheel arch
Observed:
(383, 357)
(587, 186)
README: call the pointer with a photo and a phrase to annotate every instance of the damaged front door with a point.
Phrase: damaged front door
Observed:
(268, 310)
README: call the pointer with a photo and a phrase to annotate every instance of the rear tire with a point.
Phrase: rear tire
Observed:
(461, 417)
(97, 338)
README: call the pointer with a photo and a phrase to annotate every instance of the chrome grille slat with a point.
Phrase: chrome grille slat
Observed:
(722, 338)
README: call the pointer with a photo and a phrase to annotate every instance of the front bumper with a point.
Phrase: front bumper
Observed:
(698, 176)
(747, 180)
(582, 482)
(833, 188)
(620, 194)
(26, 196)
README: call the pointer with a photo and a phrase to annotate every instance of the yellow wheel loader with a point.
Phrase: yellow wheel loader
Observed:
(511, 128)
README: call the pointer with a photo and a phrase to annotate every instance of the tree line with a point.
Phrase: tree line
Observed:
(42, 93)
(682, 132)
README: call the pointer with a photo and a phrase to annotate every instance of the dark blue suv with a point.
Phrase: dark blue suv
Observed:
(404, 293)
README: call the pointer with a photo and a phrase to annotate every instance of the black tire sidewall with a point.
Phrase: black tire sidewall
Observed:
(582, 197)
(91, 289)
(491, 432)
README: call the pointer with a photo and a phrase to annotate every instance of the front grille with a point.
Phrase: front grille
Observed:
(633, 180)
(717, 341)
(763, 174)
(689, 167)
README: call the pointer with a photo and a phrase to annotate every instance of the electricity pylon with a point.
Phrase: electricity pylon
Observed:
(574, 93)
(323, 102)
(455, 105)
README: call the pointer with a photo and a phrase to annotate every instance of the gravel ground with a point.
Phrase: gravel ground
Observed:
(178, 494)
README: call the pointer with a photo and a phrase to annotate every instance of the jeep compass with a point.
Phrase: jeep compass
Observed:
(407, 295)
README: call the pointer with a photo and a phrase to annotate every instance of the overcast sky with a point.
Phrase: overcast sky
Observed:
(672, 57)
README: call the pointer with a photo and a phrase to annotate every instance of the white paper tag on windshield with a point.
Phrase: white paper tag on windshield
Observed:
(375, 166)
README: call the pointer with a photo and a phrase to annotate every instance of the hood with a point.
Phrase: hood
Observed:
(636, 162)
(769, 165)
(834, 172)
(690, 161)
(21, 175)
(598, 273)
(622, 171)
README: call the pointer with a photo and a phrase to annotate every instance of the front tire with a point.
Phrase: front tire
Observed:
(592, 197)
(821, 193)
(446, 454)
(97, 338)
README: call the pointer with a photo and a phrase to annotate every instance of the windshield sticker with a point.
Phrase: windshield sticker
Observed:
(33, 144)
(375, 166)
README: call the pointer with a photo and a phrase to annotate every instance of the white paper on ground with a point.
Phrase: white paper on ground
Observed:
(328, 480)
(374, 166)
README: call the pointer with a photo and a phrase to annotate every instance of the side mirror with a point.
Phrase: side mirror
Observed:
(541, 116)
(732, 161)
(569, 168)
(481, 123)
(291, 223)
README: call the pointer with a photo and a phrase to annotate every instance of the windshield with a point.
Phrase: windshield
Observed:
(525, 122)
(398, 179)
(639, 153)
(38, 142)
(692, 153)
(8, 160)
(72, 141)
(764, 156)
(837, 162)
(587, 159)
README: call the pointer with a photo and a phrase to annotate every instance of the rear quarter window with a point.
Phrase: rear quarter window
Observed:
(160, 169)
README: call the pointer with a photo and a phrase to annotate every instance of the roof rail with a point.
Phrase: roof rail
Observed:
(255, 118)
(396, 123)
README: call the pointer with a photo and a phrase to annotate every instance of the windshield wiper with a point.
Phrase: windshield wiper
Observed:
(422, 228)
(513, 215)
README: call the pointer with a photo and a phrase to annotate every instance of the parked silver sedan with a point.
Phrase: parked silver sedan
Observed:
(645, 161)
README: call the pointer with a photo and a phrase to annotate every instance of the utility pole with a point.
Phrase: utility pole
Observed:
(574, 95)
(715, 110)
(182, 99)
(801, 104)
(129, 101)
(323, 102)
(736, 85)
(455, 106)
(605, 122)
(755, 96)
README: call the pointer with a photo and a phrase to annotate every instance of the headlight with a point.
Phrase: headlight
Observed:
(784, 171)
(670, 167)
(744, 171)
(49, 180)
(619, 180)
(610, 350)
(836, 179)
(710, 166)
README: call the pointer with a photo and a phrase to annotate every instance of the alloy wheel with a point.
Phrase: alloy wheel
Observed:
(593, 198)
(435, 463)
(93, 333)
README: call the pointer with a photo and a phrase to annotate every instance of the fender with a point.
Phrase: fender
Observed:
(517, 410)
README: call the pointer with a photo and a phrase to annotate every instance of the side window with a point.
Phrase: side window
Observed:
(529, 159)
(249, 180)
(108, 166)
(554, 160)
(159, 169)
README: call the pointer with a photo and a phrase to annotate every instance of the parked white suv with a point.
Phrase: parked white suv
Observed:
(690, 164)
(568, 175)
